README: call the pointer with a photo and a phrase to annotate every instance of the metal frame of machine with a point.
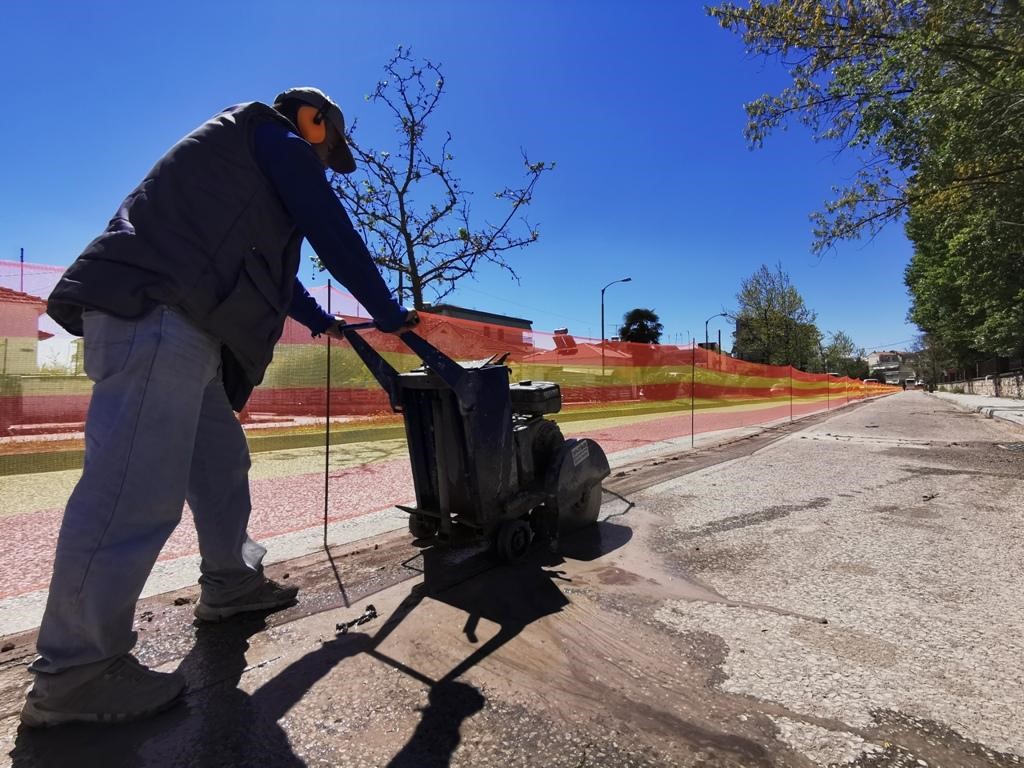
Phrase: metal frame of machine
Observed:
(484, 459)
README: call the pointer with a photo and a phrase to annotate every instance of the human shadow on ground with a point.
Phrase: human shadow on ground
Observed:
(220, 726)
(216, 726)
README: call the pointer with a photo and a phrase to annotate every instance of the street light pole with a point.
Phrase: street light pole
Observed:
(613, 282)
(720, 314)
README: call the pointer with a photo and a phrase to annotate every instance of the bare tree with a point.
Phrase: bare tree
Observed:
(409, 205)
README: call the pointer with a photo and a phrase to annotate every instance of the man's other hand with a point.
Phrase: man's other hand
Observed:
(412, 319)
(334, 329)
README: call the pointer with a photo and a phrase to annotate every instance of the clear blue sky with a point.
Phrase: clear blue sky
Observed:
(640, 105)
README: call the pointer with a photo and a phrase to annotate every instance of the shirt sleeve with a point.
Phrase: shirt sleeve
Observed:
(298, 177)
(306, 310)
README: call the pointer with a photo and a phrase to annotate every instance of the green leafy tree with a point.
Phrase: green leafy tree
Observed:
(929, 96)
(641, 325)
(933, 360)
(409, 205)
(966, 277)
(773, 325)
(856, 367)
(840, 348)
(841, 355)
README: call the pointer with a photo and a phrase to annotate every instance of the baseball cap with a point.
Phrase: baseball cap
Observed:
(340, 159)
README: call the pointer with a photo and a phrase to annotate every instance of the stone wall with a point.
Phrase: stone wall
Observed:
(1006, 385)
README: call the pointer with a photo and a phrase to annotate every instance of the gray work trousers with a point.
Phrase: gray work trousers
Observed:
(159, 430)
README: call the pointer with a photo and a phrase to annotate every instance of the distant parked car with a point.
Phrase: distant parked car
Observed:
(872, 381)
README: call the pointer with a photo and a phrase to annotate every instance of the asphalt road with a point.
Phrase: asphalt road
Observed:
(848, 592)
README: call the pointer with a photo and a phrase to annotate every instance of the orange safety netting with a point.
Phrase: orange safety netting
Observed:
(44, 393)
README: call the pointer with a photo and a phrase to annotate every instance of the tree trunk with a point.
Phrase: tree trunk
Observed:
(417, 295)
(415, 281)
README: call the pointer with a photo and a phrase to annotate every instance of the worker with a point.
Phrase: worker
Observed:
(181, 301)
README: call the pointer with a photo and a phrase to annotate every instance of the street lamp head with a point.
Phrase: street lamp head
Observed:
(620, 280)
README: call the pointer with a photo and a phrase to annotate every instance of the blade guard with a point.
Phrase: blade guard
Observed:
(573, 482)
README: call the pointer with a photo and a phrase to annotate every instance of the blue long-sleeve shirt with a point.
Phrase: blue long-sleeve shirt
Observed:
(297, 175)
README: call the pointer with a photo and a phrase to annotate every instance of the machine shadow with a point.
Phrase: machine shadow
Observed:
(512, 597)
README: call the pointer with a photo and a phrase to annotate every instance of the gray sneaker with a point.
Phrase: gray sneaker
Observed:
(267, 596)
(121, 691)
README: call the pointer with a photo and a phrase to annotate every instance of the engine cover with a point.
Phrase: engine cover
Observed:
(536, 397)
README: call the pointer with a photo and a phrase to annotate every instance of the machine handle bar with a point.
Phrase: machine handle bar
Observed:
(450, 372)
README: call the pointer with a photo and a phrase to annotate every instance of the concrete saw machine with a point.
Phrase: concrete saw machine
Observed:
(485, 461)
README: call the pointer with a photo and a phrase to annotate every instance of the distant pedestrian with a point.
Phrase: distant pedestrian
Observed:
(181, 301)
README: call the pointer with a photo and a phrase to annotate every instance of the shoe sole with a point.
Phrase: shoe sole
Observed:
(213, 615)
(34, 717)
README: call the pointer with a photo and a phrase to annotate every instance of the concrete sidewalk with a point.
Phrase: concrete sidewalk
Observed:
(1005, 408)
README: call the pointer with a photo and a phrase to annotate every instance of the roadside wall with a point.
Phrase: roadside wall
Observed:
(1010, 385)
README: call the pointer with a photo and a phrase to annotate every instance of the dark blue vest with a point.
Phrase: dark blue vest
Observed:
(203, 232)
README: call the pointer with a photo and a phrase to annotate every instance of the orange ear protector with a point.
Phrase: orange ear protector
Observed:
(311, 124)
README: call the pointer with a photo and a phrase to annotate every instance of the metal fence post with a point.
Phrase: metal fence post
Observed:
(327, 425)
(791, 394)
(693, 383)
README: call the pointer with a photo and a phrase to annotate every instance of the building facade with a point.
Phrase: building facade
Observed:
(892, 366)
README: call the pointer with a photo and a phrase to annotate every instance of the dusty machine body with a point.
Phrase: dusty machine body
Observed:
(485, 460)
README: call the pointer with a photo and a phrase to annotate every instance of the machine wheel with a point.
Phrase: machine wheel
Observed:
(544, 522)
(422, 527)
(514, 537)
